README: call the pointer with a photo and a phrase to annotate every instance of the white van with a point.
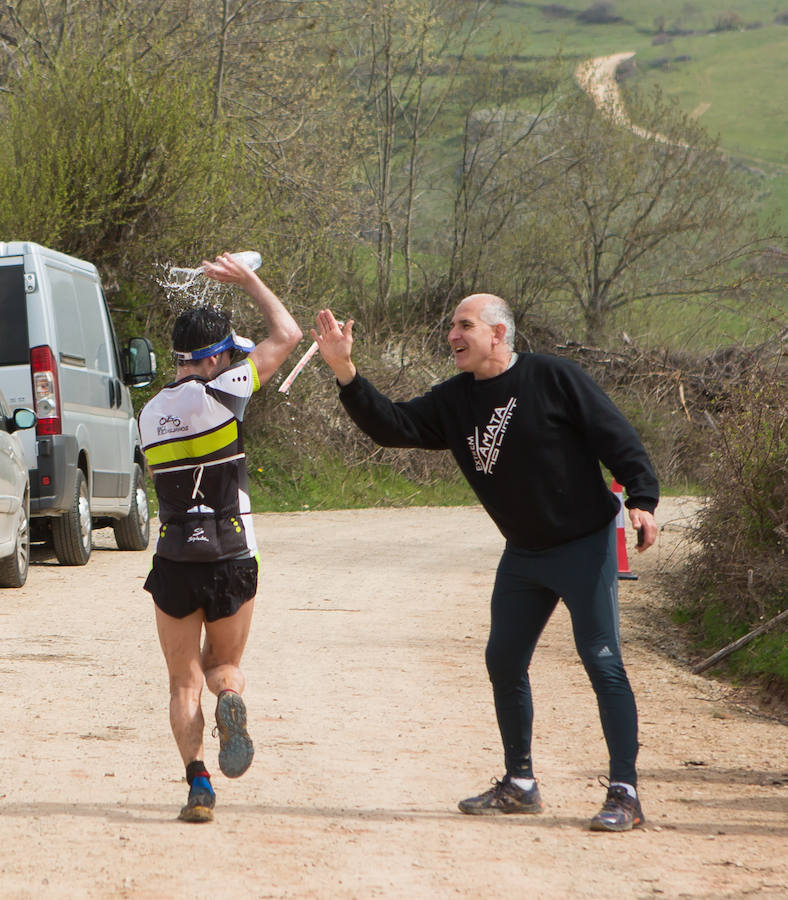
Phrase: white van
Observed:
(60, 357)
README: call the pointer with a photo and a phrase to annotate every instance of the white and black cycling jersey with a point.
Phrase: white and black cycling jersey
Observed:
(193, 442)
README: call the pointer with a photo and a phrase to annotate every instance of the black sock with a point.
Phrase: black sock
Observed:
(196, 769)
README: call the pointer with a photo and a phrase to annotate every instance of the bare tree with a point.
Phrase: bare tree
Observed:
(408, 54)
(493, 188)
(633, 219)
(258, 76)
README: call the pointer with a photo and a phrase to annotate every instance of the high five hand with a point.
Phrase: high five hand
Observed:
(335, 344)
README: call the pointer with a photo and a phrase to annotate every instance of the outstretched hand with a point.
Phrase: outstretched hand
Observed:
(335, 344)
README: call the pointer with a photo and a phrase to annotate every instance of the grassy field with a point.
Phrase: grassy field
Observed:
(731, 79)
(728, 78)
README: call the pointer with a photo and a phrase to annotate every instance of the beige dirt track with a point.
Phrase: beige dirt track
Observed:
(372, 715)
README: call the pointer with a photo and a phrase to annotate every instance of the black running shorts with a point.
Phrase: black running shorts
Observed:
(218, 588)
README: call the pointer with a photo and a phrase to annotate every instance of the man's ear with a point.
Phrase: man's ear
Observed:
(499, 333)
(216, 359)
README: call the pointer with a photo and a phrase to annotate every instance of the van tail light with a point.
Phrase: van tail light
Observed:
(46, 391)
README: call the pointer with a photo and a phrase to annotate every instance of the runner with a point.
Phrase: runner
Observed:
(204, 572)
(528, 431)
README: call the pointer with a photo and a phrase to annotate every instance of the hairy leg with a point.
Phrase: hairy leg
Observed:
(225, 640)
(180, 643)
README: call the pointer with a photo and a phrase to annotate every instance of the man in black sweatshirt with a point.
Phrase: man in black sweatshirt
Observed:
(528, 432)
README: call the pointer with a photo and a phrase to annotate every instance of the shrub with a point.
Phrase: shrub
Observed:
(598, 14)
(736, 577)
(556, 11)
(728, 21)
(118, 170)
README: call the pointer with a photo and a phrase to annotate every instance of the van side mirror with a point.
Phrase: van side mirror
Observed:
(139, 362)
(22, 419)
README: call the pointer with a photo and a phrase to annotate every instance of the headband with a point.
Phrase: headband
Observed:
(231, 342)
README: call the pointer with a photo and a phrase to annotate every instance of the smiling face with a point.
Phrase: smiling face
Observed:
(476, 346)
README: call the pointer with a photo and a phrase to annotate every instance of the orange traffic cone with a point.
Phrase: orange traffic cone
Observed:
(621, 535)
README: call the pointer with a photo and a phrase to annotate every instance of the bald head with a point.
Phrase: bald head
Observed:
(494, 311)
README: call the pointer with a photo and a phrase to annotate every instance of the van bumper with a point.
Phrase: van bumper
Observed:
(53, 483)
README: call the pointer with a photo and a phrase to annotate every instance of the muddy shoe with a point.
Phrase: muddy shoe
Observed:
(503, 797)
(199, 807)
(620, 812)
(236, 750)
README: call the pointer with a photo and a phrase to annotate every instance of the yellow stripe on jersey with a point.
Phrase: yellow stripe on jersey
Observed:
(255, 376)
(194, 448)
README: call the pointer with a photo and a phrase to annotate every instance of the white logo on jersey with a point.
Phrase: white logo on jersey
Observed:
(198, 535)
(485, 450)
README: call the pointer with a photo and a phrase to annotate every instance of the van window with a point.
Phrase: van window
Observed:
(13, 314)
(94, 330)
(67, 320)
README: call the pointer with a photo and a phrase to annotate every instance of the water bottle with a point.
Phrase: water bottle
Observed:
(250, 258)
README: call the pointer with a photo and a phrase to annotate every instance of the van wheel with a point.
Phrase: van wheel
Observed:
(13, 569)
(72, 533)
(133, 532)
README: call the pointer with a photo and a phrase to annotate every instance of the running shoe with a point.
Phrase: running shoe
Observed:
(199, 806)
(236, 750)
(503, 797)
(620, 812)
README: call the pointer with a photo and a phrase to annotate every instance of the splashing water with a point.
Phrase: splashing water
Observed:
(187, 285)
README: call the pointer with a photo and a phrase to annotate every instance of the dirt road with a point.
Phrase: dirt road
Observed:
(597, 77)
(372, 715)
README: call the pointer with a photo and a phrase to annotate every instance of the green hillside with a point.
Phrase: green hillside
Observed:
(725, 66)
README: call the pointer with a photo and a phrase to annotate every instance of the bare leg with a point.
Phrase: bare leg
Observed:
(180, 643)
(221, 659)
(224, 645)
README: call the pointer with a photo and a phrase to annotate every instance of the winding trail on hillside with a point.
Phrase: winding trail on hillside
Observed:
(597, 77)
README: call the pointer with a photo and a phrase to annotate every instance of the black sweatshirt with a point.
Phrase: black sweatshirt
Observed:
(529, 441)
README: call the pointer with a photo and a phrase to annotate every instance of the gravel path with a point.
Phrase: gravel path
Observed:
(372, 715)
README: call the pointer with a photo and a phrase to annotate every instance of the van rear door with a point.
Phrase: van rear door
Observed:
(14, 346)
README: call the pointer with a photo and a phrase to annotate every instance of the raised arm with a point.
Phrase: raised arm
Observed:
(335, 345)
(391, 424)
(283, 331)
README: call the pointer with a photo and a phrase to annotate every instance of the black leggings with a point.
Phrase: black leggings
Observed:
(528, 585)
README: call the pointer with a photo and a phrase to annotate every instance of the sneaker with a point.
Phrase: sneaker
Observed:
(199, 806)
(620, 812)
(503, 797)
(236, 750)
